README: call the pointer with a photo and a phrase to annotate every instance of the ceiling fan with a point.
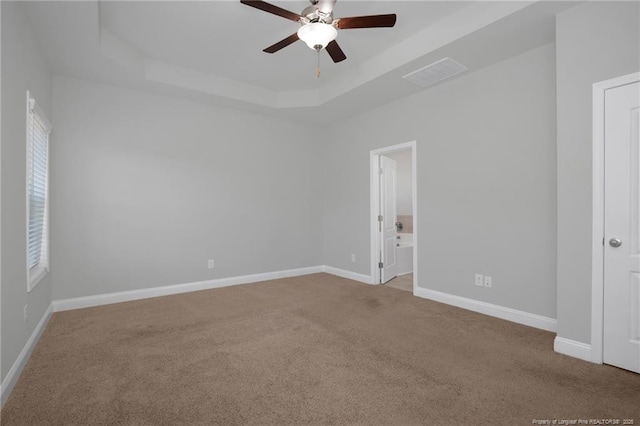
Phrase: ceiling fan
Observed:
(318, 26)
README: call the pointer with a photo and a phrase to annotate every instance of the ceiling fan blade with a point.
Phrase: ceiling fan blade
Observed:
(282, 43)
(371, 21)
(268, 7)
(335, 52)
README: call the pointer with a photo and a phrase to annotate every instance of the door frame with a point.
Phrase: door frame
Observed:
(597, 229)
(375, 200)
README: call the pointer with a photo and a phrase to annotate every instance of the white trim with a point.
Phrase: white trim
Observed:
(347, 274)
(414, 205)
(572, 348)
(36, 274)
(146, 293)
(16, 369)
(597, 215)
(374, 188)
(520, 317)
(374, 195)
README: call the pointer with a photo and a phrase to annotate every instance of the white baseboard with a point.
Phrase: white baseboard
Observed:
(572, 348)
(347, 274)
(521, 317)
(14, 373)
(127, 296)
(146, 293)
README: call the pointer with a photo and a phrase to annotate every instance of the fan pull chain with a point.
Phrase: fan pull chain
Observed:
(318, 68)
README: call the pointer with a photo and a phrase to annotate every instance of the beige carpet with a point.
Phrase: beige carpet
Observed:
(309, 350)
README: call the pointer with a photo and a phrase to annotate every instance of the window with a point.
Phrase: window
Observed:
(38, 129)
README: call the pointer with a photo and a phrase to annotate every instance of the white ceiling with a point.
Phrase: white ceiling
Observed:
(212, 50)
(227, 38)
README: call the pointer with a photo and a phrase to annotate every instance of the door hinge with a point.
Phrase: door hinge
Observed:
(380, 218)
(380, 265)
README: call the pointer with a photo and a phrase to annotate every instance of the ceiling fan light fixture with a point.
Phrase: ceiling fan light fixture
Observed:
(317, 34)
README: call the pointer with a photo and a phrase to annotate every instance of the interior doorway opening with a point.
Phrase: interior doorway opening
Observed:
(393, 215)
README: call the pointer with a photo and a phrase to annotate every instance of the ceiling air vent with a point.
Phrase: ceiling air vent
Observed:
(438, 71)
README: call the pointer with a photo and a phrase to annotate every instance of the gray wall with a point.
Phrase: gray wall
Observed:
(146, 188)
(23, 67)
(486, 182)
(595, 42)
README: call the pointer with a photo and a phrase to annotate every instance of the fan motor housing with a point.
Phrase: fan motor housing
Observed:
(313, 14)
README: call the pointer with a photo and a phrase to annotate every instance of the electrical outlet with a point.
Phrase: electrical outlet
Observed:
(353, 257)
(487, 281)
(211, 264)
(26, 315)
(479, 280)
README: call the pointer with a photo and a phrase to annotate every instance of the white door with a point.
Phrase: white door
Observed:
(388, 219)
(622, 228)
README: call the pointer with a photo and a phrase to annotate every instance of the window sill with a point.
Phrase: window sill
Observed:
(36, 274)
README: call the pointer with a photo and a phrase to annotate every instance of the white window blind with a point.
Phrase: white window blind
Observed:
(38, 129)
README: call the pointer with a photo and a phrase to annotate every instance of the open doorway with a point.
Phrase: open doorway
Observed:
(394, 230)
